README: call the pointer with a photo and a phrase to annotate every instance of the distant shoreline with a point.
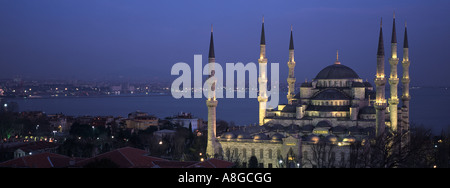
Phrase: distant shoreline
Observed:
(93, 96)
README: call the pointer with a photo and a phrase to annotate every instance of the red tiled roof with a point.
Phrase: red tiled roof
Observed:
(213, 163)
(126, 157)
(210, 163)
(41, 160)
(39, 145)
(174, 164)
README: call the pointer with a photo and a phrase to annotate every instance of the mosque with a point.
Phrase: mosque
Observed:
(337, 108)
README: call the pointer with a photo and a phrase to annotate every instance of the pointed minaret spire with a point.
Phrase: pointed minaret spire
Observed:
(211, 45)
(263, 37)
(405, 40)
(291, 43)
(380, 40)
(394, 34)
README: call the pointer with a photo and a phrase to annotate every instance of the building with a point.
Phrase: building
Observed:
(16, 150)
(187, 120)
(334, 110)
(60, 123)
(141, 121)
(41, 160)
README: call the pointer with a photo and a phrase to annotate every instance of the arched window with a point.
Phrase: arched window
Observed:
(342, 157)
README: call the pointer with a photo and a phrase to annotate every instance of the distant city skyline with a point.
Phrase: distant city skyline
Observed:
(142, 40)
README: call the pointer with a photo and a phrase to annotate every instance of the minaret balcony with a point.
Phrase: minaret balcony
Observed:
(380, 81)
(393, 61)
(380, 105)
(393, 101)
(211, 103)
(405, 80)
(393, 81)
(406, 97)
(291, 80)
(262, 99)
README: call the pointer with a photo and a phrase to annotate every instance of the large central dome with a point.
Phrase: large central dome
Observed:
(337, 71)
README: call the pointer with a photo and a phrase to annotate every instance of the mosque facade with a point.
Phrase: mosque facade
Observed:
(334, 111)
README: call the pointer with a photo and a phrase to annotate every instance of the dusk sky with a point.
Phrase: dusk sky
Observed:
(142, 40)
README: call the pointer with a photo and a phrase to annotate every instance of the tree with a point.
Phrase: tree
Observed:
(392, 149)
(81, 130)
(7, 128)
(253, 162)
(75, 147)
(323, 154)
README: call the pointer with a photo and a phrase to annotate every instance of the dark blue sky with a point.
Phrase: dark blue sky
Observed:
(93, 39)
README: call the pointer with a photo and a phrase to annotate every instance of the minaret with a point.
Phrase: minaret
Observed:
(405, 82)
(262, 79)
(380, 82)
(291, 76)
(211, 102)
(393, 80)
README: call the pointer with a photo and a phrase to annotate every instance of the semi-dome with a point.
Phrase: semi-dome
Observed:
(324, 124)
(331, 94)
(338, 130)
(313, 138)
(349, 139)
(332, 138)
(277, 137)
(337, 71)
(260, 136)
(307, 128)
(243, 136)
(229, 135)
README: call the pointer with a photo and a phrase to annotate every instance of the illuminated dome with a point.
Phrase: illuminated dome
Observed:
(260, 136)
(313, 138)
(277, 137)
(337, 71)
(243, 136)
(229, 135)
(349, 139)
(331, 138)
